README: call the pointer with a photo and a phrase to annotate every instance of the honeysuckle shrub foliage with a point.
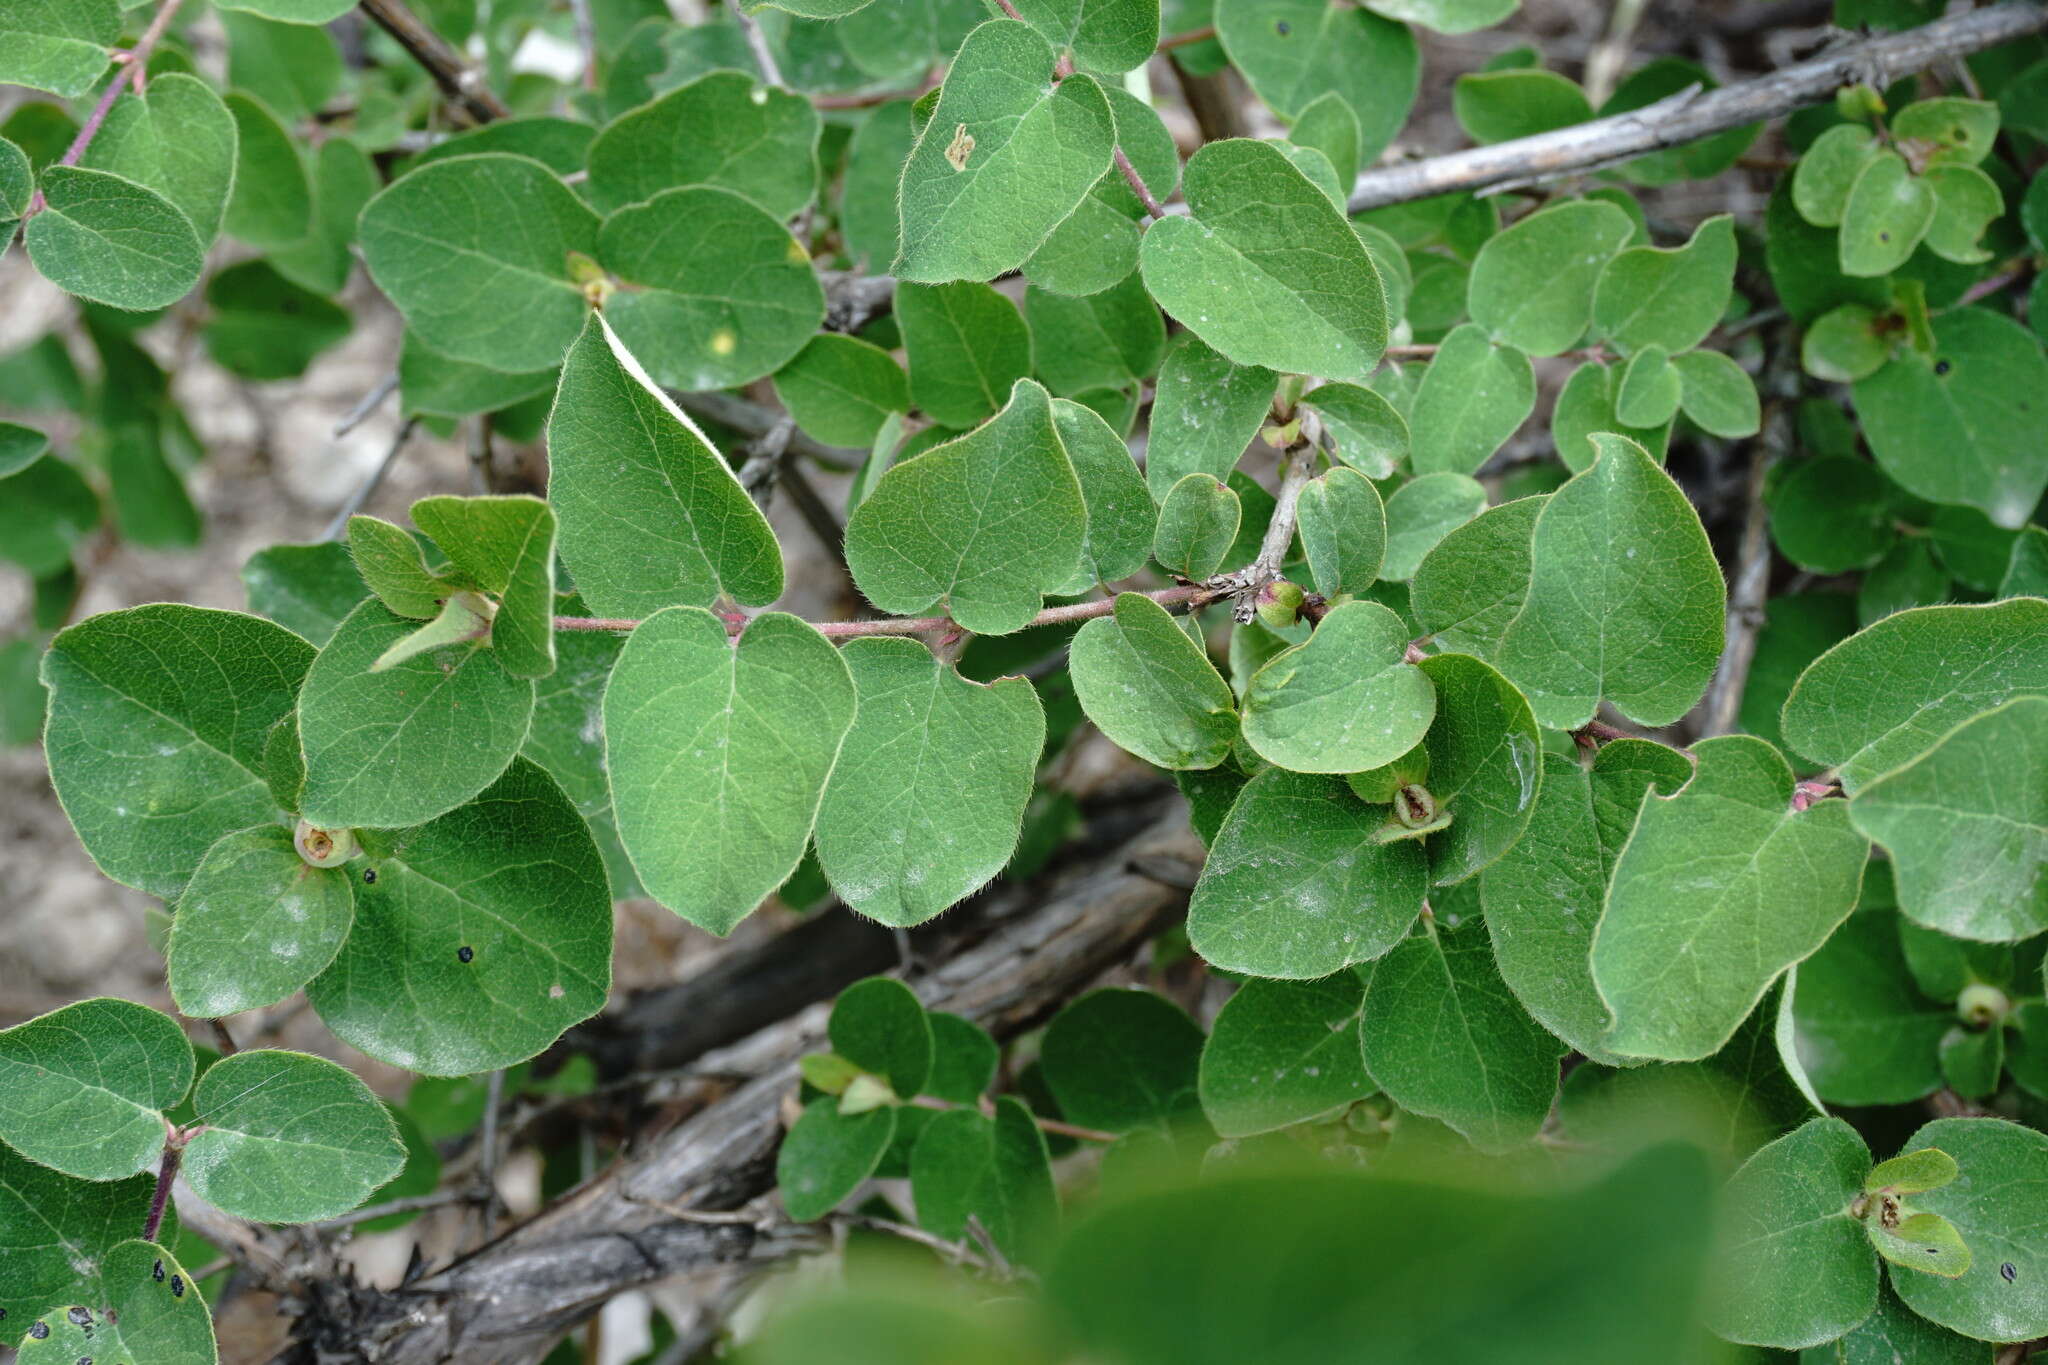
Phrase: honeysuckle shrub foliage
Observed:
(1525, 847)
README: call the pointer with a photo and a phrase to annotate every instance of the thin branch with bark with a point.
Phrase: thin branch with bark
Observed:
(462, 83)
(1687, 117)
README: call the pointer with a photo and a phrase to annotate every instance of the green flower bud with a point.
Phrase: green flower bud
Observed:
(1280, 604)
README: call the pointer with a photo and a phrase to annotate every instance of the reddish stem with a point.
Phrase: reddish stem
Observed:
(1195, 35)
(1192, 594)
(137, 62)
(1131, 178)
(166, 1176)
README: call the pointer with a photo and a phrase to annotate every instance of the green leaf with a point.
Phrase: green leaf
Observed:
(1295, 51)
(1606, 1272)
(1845, 345)
(1721, 887)
(967, 346)
(995, 1170)
(272, 202)
(344, 179)
(1792, 1268)
(2026, 573)
(628, 469)
(1650, 296)
(1343, 528)
(1625, 599)
(1831, 514)
(60, 1232)
(1444, 1037)
(1925, 1243)
(1915, 1172)
(1283, 1052)
(826, 1156)
(723, 129)
(1543, 897)
(1121, 1059)
(840, 389)
(1121, 516)
(1008, 153)
(1097, 244)
(158, 718)
(1198, 524)
(141, 1308)
(1110, 339)
(436, 385)
(265, 327)
(1650, 390)
(1960, 130)
(83, 1088)
(46, 508)
(927, 798)
(255, 923)
(560, 144)
(17, 183)
(59, 47)
(393, 564)
(1485, 765)
(1956, 426)
(1499, 106)
(1298, 883)
(1110, 36)
(1448, 16)
(176, 137)
(1887, 694)
(1475, 394)
(1345, 700)
(1966, 202)
(869, 222)
(1895, 1333)
(291, 68)
(1423, 512)
(1205, 412)
(513, 878)
(1828, 171)
(1151, 689)
(1866, 1033)
(306, 588)
(879, 1026)
(1532, 285)
(289, 1138)
(1586, 406)
(293, 11)
(1999, 1210)
(475, 252)
(1888, 211)
(1265, 268)
(719, 755)
(1473, 582)
(1366, 431)
(1966, 824)
(112, 241)
(1018, 534)
(396, 747)
(1718, 394)
(1971, 1060)
(1327, 124)
(506, 545)
(725, 295)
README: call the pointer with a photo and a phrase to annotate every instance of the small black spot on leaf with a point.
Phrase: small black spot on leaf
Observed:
(39, 1330)
(156, 1272)
(1283, 28)
(3, 1315)
(1942, 367)
(177, 1287)
(2009, 1271)
(1884, 236)
(369, 876)
(465, 954)
(80, 1317)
